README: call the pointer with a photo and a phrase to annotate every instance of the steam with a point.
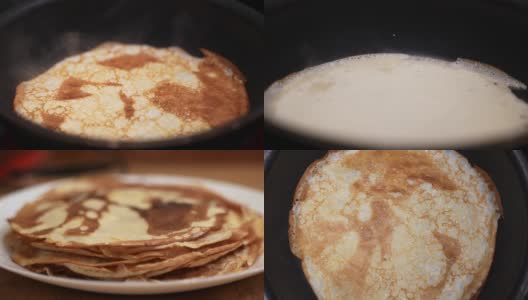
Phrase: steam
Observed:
(308, 55)
(32, 46)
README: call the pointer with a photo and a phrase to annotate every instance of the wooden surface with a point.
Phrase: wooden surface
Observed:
(243, 167)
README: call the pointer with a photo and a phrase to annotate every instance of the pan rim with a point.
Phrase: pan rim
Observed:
(314, 142)
(521, 164)
(64, 140)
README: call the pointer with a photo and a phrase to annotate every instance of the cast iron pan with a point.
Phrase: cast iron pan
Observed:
(38, 34)
(311, 32)
(508, 277)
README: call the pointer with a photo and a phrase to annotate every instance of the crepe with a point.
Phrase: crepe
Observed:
(106, 229)
(134, 92)
(393, 100)
(394, 225)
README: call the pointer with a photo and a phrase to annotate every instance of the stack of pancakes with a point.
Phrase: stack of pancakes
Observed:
(106, 229)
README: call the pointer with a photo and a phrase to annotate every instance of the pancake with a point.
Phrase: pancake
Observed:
(123, 271)
(124, 214)
(394, 225)
(95, 267)
(134, 92)
(233, 262)
(398, 100)
(107, 229)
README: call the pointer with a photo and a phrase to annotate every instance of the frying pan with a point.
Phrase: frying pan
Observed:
(38, 34)
(310, 32)
(508, 276)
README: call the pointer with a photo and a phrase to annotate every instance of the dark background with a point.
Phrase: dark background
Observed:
(273, 3)
(5, 4)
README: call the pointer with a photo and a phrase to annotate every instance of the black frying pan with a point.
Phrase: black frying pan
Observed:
(508, 277)
(37, 35)
(310, 32)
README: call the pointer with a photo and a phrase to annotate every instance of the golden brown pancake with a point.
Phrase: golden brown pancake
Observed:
(134, 92)
(233, 262)
(394, 225)
(106, 229)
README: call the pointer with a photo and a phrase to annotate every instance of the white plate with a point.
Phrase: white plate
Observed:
(11, 203)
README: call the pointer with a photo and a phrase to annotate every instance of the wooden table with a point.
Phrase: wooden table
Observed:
(245, 168)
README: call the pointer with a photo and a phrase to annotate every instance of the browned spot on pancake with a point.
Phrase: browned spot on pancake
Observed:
(394, 170)
(373, 232)
(28, 215)
(205, 195)
(328, 232)
(74, 211)
(129, 61)
(222, 63)
(163, 218)
(226, 97)
(51, 120)
(177, 99)
(451, 250)
(128, 104)
(382, 224)
(220, 99)
(166, 217)
(71, 88)
(28, 218)
(450, 247)
(44, 231)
